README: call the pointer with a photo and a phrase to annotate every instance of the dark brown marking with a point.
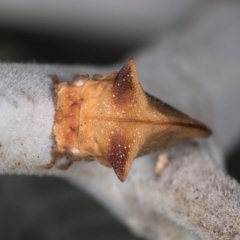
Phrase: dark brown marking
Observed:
(2, 156)
(74, 103)
(118, 151)
(54, 78)
(15, 104)
(96, 76)
(72, 128)
(56, 154)
(27, 96)
(0, 145)
(65, 166)
(50, 165)
(123, 85)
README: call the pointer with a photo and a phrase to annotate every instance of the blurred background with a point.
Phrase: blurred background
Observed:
(97, 32)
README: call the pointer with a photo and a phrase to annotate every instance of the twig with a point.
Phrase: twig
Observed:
(191, 191)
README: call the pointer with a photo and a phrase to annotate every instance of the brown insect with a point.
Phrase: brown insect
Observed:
(111, 119)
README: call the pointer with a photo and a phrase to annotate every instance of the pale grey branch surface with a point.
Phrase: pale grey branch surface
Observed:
(191, 192)
(197, 71)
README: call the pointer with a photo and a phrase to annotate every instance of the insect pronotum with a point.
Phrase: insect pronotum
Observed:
(111, 119)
